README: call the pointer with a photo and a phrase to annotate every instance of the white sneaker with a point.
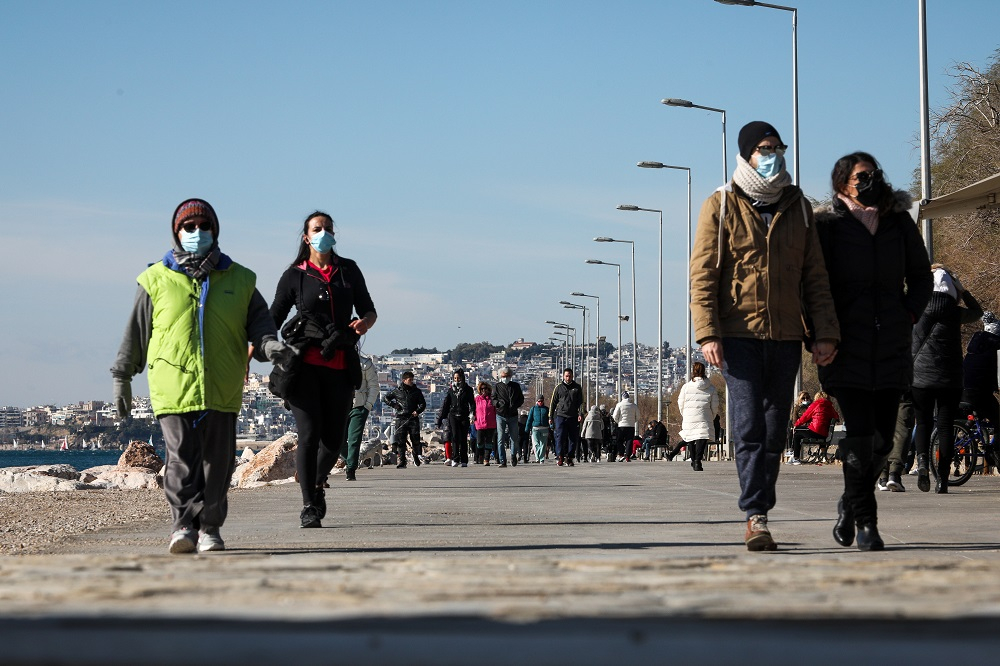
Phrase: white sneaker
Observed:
(183, 541)
(209, 540)
(454, 463)
(881, 484)
(796, 461)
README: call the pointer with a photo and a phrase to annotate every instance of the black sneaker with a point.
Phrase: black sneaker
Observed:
(416, 460)
(309, 517)
(350, 475)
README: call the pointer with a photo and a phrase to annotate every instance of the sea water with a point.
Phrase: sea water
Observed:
(78, 459)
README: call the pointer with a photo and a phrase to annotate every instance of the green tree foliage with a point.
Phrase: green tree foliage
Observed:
(416, 350)
(473, 351)
(966, 149)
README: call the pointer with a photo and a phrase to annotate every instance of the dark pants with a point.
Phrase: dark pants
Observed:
(407, 427)
(798, 434)
(924, 401)
(459, 440)
(567, 435)
(356, 420)
(486, 444)
(901, 436)
(624, 438)
(201, 457)
(321, 399)
(760, 376)
(985, 405)
(698, 448)
(870, 419)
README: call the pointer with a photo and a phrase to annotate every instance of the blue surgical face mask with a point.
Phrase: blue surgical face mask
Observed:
(323, 241)
(195, 242)
(505, 380)
(770, 165)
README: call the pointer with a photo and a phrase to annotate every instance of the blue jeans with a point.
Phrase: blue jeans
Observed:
(760, 378)
(567, 435)
(507, 435)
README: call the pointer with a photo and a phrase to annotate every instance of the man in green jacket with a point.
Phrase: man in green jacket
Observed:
(194, 313)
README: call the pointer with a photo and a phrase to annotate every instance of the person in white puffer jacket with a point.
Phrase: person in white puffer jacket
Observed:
(626, 415)
(364, 399)
(698, 402)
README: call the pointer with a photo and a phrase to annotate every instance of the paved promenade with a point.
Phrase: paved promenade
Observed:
(610, 563)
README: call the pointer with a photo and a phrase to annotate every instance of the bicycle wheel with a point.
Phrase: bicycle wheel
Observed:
(964, 457)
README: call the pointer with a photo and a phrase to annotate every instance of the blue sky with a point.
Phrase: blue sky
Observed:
(468, 152)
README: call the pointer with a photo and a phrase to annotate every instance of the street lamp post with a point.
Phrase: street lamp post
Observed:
(690, 105)
(598, 262)
(584, 356)
(597, 347)
(635, 339)
(687, 319)
(562, 354)
(795, 70)
(568, 328)
(659, 309)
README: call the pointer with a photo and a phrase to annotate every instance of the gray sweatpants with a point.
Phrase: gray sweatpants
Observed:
(201, 457)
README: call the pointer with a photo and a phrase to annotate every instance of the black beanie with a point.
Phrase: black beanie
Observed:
(751, 135)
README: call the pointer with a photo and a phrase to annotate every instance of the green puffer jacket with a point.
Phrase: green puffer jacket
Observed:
(197, 355)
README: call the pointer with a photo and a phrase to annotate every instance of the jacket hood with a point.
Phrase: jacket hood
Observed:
(830, 211)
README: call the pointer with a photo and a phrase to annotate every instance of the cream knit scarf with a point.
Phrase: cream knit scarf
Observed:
(758, 188)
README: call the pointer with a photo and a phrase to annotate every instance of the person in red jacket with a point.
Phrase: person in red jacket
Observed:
(818, 416)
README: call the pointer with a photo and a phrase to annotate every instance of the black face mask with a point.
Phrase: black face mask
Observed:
(870, 188)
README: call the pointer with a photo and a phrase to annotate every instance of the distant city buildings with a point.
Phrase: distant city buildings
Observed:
(262, 416)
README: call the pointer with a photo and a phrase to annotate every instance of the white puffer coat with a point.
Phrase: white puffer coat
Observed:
(698, 402)
(626, 413)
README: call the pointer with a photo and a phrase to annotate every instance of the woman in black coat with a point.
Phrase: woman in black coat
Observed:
(326, 289)
(937, 371)
(879, 276)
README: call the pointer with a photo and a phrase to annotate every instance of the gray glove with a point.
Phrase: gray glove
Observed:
(280, 354)
(123, 397)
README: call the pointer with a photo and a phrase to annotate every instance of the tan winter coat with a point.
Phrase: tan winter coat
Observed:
(768, 278)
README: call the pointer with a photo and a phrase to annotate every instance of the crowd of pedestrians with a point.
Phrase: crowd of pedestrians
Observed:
(851, 280)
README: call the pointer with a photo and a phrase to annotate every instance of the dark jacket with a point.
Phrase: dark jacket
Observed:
(980, 365)
(659, 434)
(327, 304)
(405, 400)
(567, 400)
(880, 285)
(937, 341)
(458, 405)
(507, 398)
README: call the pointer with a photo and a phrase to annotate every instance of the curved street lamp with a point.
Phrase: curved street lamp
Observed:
(598, 262)
(672, 101)
(584, 354)
(597, 347)
(635, 339)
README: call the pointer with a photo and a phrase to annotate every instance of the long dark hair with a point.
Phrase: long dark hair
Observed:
(303, 252)
(842, 173)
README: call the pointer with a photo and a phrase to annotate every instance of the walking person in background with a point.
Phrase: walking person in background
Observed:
(590, 433)
(698, 403)
(813, 424)
(566, 413)
(486, 425)
(879, 278)
(459, 403)
(937, 371)
(626, 415)
(537, 426)
(193, 315)
(756, 244)
(364, 399)
(979, 373)
(507, 399)
(524, 437)
(409, 403)
(325, 289)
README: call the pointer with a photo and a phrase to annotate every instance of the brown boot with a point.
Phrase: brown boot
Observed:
(758, 537)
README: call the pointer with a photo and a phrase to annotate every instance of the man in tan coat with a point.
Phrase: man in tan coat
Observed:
(757, 272)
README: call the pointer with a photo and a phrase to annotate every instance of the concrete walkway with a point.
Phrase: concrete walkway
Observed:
(534, 564)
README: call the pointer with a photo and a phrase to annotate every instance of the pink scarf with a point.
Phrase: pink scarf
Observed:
(867, 216)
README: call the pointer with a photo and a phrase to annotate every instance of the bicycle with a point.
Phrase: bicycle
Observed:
(971, 443)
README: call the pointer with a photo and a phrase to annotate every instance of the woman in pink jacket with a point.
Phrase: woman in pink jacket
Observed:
(817, 416)
(486, 424)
